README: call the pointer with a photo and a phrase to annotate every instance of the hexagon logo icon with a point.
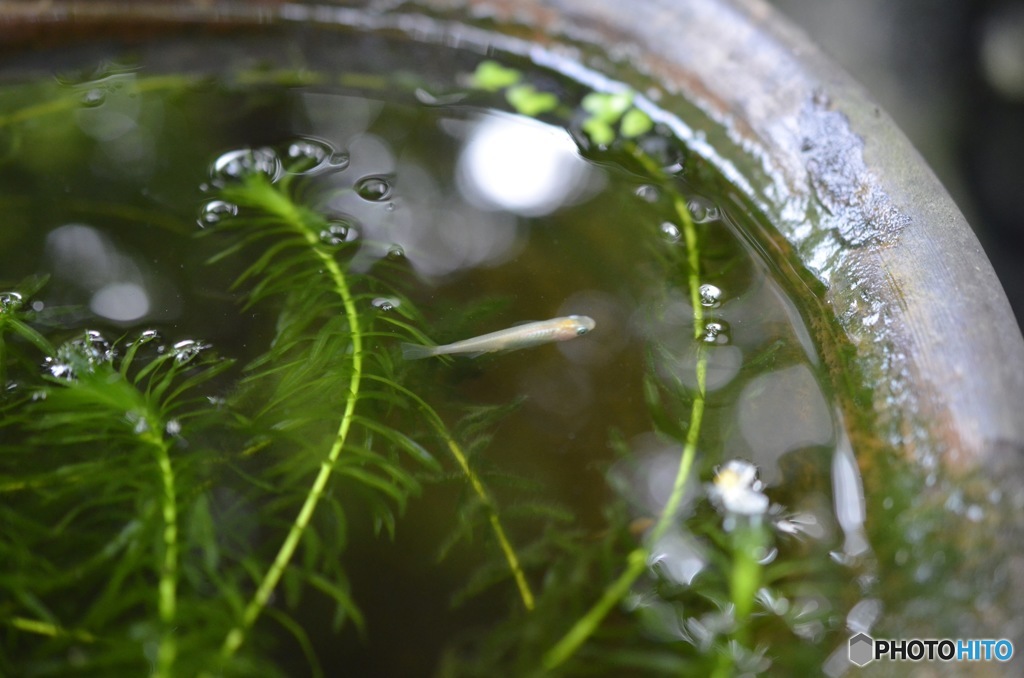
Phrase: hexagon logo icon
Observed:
(862, 649)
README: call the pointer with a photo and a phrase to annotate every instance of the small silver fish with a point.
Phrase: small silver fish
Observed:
(520, 336)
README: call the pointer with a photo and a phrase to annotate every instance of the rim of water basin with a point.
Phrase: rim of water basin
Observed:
(898, 270)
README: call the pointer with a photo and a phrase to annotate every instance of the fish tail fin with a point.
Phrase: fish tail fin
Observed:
(417, 351)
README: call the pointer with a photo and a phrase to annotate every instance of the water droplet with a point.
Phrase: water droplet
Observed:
(710, 296)
(703, 210)
(187, 349)
(94, 98)
(216, 211)
(375, 188)
(716, 332)
(386, 303)
(338, 232)
(396, 253)
(10, 302)
(238, 164)
(670, 232)
(648, 193)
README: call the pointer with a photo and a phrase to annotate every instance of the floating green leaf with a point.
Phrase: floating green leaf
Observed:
(528, 100)
(493, 77)
(635, 123)
(599, 131)
(607, 107)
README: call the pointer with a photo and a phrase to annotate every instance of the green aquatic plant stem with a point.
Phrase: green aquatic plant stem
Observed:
(748, 542)
(492, 516)
(636, 561)
(168, 584)
(42, 628)
(525, 592)
(276, 203)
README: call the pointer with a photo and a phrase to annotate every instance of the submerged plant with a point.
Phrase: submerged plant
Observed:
(207, 504)
(314, 410)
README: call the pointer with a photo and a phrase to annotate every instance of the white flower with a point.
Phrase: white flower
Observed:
(736, 489)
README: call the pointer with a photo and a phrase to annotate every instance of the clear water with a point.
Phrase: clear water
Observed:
(451, 215)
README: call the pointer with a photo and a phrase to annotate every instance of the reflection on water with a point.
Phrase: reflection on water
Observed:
(780, 412)
(522, 166)
(88, 260)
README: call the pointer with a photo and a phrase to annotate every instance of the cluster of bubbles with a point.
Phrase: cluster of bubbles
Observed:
(84, 353)
(702, 211)
(303, 156)
(79, 355)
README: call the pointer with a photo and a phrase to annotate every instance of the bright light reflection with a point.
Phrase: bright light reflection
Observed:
(679, 557)
(90, 261)
(848, 495)
(120, 301)
(520, 165)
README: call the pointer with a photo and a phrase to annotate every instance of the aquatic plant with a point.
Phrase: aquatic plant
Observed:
(207, 502)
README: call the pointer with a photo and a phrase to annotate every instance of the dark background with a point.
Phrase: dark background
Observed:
(951, 73)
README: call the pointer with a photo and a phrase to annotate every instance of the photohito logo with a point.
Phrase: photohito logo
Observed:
(865, 649)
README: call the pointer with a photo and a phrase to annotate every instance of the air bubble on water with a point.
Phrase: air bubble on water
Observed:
(710, 296)
(94, 98)
(10, 301)
(716, 332)
(309, 155)
(187, 349)
(386, 303)
(670, 232)
(702, 210)
(243, 162)
(38, 306)
(215, 211)
(338, 231)
(145, 337)
(375, 188)
(396, 253)
(173, 427)
(339, 161)
(648, 193)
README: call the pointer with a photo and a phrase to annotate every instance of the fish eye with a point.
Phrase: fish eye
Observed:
(580, 331)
